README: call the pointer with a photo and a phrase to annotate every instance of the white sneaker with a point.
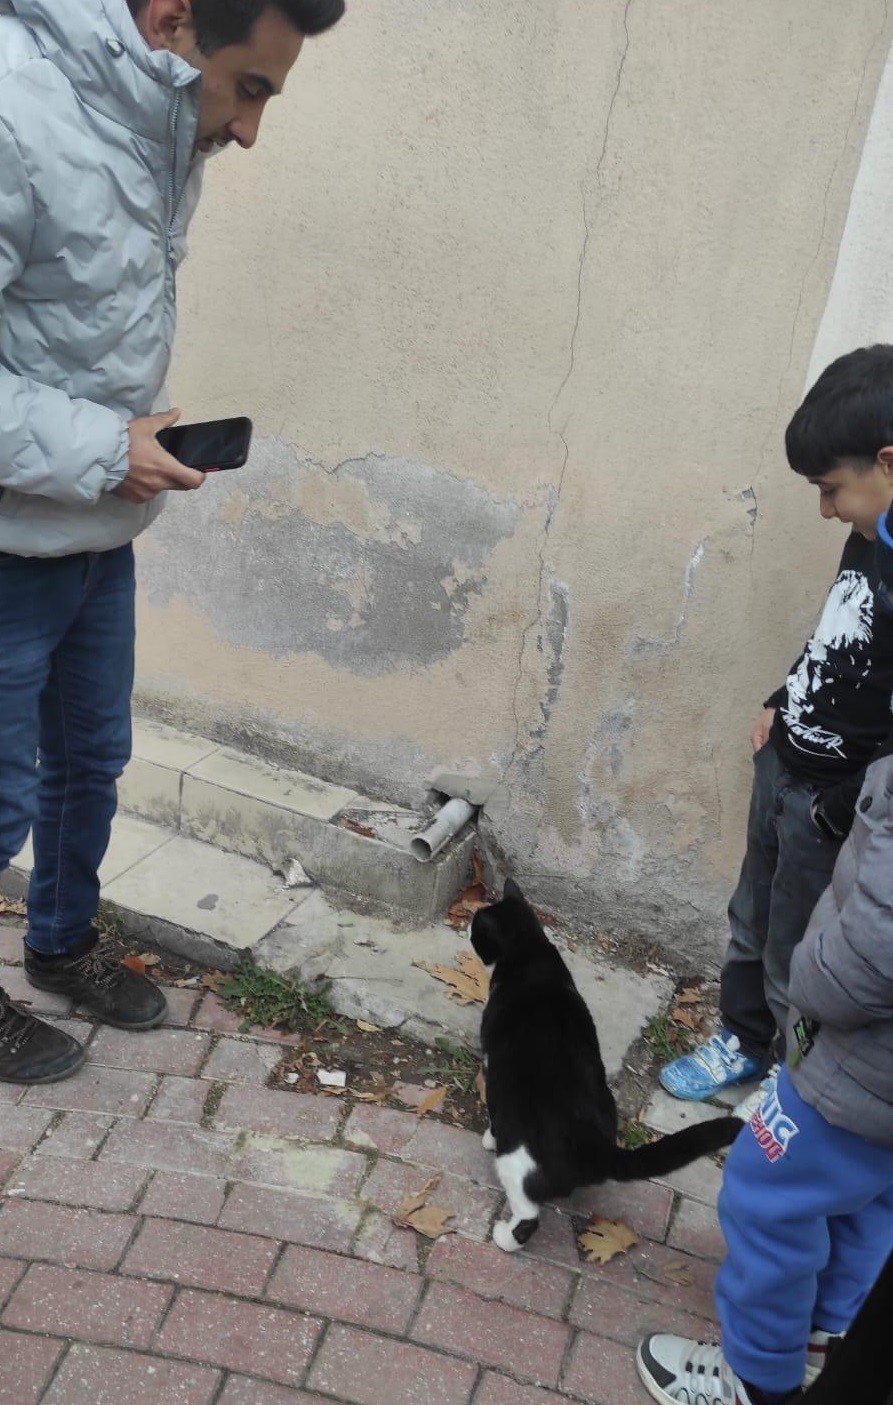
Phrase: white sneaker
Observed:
(754, 1101)
(818, 1349)
(677, 1371)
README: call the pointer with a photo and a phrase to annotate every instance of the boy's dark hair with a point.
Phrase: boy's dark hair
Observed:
(848, 414)
(219, 23)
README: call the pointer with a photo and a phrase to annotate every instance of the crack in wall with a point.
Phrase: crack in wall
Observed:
(645, 646)
(554, 492)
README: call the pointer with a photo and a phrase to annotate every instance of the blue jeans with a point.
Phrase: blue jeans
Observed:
(66, 675)
(787, 867)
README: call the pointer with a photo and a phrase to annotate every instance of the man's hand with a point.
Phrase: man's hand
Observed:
(152, 469)
(759, 732)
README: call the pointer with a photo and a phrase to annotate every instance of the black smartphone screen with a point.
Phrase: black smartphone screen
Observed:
(211, 445)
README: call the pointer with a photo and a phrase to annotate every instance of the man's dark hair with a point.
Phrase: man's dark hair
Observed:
(219, 23)
(848, 414)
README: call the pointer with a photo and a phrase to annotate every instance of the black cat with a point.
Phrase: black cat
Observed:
(553, 1119)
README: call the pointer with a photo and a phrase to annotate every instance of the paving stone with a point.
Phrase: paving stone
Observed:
(277, 1161)
(644, 1206)
(346, 1290)
(319, 1221)
(249, 777)
(609, 1311)
(491, 1273)
(369, 1370)
(89, 1183)
(168, 746)
(701, 1180)
(500, 1390)
(93, 1375)
(179, 1100)
(22, 1127)
(492, 1333)
(76, 1136)
(383, 1242)
(91, 1307)
(119, 1091)
(666, 1114)
(267, 1341)
(169, 1146)
(11, 939)
(380, 1128)
(696, 1230)
(26, 1364)
(243, 1390)
(11, 1271)
(313, 1119)
(171, 1195)
(242, 1061)
(658, 1273)
(11, 1093)
(202, 1257)
(473, 1205)
(452, 1149)
(212, 1014)
(34, 1229)
(604, 1372)
(36, 1002)
(162, 1050)
(181, 1003)
(9, 1160)
(555, 1241)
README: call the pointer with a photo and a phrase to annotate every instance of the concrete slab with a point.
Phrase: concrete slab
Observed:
(371, 967)
(218, 903)
(166, 746)
(132, 841)
(666, 1114)
(287, 790)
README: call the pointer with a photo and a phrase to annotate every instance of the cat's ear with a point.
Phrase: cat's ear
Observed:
(511, 890)
(486, 936)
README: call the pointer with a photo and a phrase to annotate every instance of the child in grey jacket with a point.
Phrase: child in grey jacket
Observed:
(806, 1205)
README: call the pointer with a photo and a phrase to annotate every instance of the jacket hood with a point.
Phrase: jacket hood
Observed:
(99, 49)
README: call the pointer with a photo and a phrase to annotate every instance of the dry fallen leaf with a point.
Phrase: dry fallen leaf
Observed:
(678, 1273)
(378, 1097)
(368, 1028)
(602, 1240)
(12, 907)
(432, 1102)
(134, 963)
(357, 828)
(475, 896)
(211, 979)
(469, 984)
(480, 1085)
(415, 1213)
(688, 1018)
(690, 996)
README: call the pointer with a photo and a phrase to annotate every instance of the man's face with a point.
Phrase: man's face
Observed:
(238, 80)
(857, 495)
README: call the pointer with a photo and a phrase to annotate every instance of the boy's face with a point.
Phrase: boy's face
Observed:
(857, 495)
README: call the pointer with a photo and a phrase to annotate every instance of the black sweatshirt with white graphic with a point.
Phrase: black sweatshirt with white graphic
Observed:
(836, 708)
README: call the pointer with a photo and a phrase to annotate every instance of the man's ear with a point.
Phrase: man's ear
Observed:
(167, 24)
(884, 460)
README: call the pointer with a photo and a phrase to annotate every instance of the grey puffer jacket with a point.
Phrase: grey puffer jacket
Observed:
(97, 182)
(842, 976)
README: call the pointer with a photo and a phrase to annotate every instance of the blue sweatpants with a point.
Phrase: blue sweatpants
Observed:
(807, 1213)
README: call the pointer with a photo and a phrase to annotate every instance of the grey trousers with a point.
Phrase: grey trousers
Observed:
(786, 869)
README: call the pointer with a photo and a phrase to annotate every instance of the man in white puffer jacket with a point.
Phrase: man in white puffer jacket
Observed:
(107, 108)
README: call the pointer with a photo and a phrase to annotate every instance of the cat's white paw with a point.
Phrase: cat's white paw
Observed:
(489, 1140)
(503, 1237)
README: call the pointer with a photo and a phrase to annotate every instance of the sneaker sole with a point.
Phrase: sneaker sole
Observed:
(50, 1077)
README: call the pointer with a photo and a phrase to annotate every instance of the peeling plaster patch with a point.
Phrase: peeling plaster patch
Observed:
(607, 744)
(646, 646)
(387, 589)
(615, 840)
(749, 498)
(552, 641)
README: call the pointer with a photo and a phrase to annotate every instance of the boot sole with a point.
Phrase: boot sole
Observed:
(135, 1025)
(50, 1077)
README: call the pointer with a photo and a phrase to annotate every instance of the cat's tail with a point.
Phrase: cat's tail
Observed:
(671, 1153)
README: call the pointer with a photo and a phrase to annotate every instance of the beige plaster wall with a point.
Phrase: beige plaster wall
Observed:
(520, 298)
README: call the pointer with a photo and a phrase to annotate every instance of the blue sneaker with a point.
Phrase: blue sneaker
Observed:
(717, 1064)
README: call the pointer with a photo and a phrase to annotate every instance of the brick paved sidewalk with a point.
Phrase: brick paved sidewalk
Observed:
(174, 1232)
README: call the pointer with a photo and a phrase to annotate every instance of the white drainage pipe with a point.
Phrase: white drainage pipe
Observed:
(447, 822)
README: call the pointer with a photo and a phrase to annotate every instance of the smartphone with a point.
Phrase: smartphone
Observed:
(211, 446)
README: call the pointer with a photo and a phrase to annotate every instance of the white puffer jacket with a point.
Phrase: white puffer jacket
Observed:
(97, 183)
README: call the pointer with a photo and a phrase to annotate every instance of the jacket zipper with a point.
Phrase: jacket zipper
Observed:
(172, 191)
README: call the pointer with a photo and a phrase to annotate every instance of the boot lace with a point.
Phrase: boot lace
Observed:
(100, 969)
(16, 1026)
